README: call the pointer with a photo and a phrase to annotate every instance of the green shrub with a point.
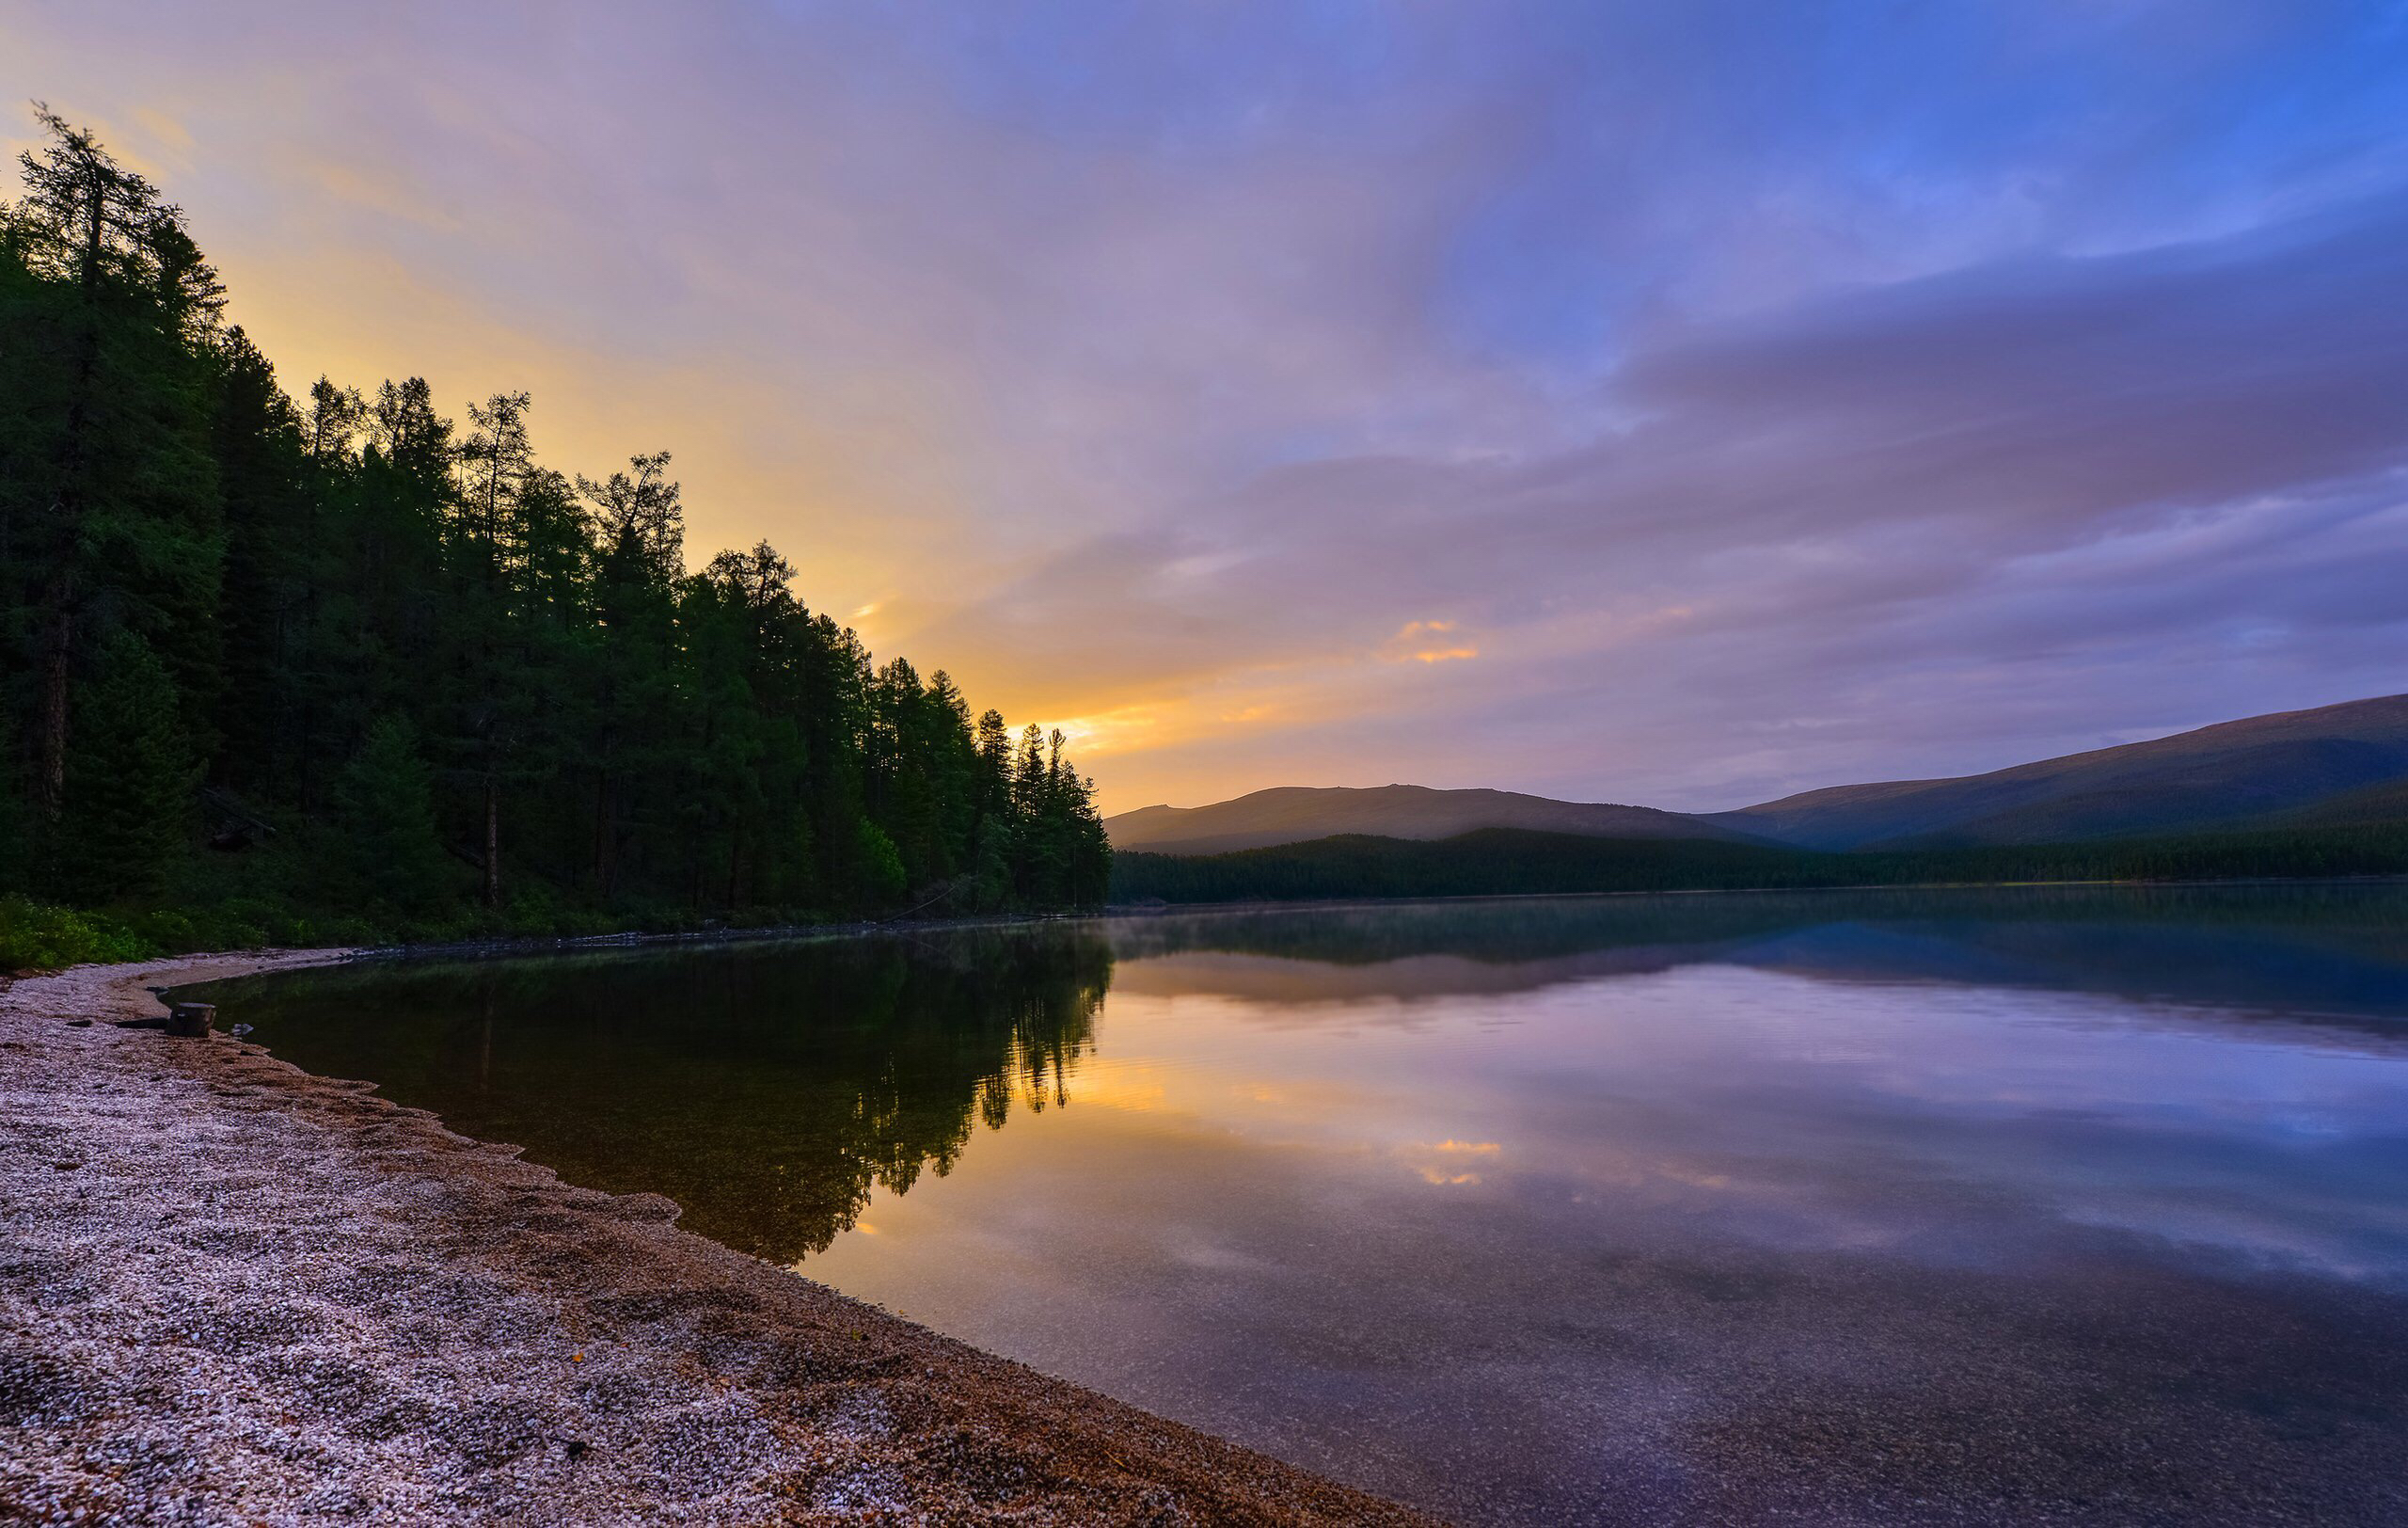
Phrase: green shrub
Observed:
(351, 931)
(170, 931)
(244, 923)
(40, 937)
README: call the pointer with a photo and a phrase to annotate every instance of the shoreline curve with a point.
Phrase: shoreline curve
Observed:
(233, 1291)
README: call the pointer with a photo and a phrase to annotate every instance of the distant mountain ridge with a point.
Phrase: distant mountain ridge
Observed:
(2257, 771)
(2328, 767)
(1293, 814)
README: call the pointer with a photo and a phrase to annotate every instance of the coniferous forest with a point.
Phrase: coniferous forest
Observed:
(338, 665)
(1509, 862)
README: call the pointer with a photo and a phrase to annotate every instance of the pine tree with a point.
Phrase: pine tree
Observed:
(488, 544)
(880, 880)
(104, 395)
(636, 703)
(384, 810)
(130, 777)
(268, 592)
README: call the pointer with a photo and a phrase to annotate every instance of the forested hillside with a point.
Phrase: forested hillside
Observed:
(1505, 862)
(2332, 764)
(1293, 814)
(339, 664)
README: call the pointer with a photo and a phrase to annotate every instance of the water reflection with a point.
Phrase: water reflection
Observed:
(2333, 949)
(1987, 1207)
(767, 1088)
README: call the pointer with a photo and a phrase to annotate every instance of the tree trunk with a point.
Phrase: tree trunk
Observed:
(492, 842)
(58, 613)
(57, 651)
(603, 868)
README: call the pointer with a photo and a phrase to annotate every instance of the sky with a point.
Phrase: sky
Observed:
(1674, 404)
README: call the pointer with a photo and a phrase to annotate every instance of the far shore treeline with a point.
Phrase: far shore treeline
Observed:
(340, 668)
(1497, 862)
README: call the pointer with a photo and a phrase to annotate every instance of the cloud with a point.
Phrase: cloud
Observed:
(1940, 518)
(1683, 404)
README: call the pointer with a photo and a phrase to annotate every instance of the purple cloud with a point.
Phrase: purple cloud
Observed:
(1754, 396)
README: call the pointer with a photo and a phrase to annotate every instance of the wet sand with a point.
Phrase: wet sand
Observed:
(232, 1291)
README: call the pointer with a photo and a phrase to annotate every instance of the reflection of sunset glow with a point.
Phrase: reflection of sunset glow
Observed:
(1447, 1175)
(1122, 1086)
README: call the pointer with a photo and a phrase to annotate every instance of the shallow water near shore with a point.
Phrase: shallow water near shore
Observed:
(2082, 1205)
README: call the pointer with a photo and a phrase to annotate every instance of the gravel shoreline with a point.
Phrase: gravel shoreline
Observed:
(231, 1291)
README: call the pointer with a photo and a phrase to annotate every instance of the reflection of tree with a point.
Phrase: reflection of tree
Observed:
(1504, 932)
(2355, 917)
(768, 1089)
(2332, 948)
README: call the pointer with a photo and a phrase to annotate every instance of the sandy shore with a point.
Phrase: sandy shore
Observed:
(234, 1292)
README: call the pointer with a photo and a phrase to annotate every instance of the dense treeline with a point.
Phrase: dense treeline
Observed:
(1508, 862)
(392, 667)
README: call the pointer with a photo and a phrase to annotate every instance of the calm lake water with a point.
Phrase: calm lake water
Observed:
(1913, 1207)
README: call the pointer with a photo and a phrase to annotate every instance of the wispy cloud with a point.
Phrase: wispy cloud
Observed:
(1681, 403)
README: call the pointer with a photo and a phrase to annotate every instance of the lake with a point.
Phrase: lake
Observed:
(2015, 1206)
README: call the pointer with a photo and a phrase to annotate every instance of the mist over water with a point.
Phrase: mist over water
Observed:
(1980, 1206)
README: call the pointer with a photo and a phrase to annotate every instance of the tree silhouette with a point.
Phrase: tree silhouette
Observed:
(374, 632)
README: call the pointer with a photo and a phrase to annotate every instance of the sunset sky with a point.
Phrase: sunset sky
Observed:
(1673, 403)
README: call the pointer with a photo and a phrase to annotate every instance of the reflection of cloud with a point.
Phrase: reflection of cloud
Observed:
(1735, 1193)
(1446, 1173)
(1803, 1108)
(1285, 992)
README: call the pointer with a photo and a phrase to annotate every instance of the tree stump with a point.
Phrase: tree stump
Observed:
(191, 1020)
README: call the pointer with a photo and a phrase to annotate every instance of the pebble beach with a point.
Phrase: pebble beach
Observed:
(231, 1291)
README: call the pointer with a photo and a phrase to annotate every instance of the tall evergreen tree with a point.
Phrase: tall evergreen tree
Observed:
(130, 777)
(384, 808)
(107, 311)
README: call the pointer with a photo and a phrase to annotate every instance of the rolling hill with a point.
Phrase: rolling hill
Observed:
(1294, 814)
(2329, 766)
